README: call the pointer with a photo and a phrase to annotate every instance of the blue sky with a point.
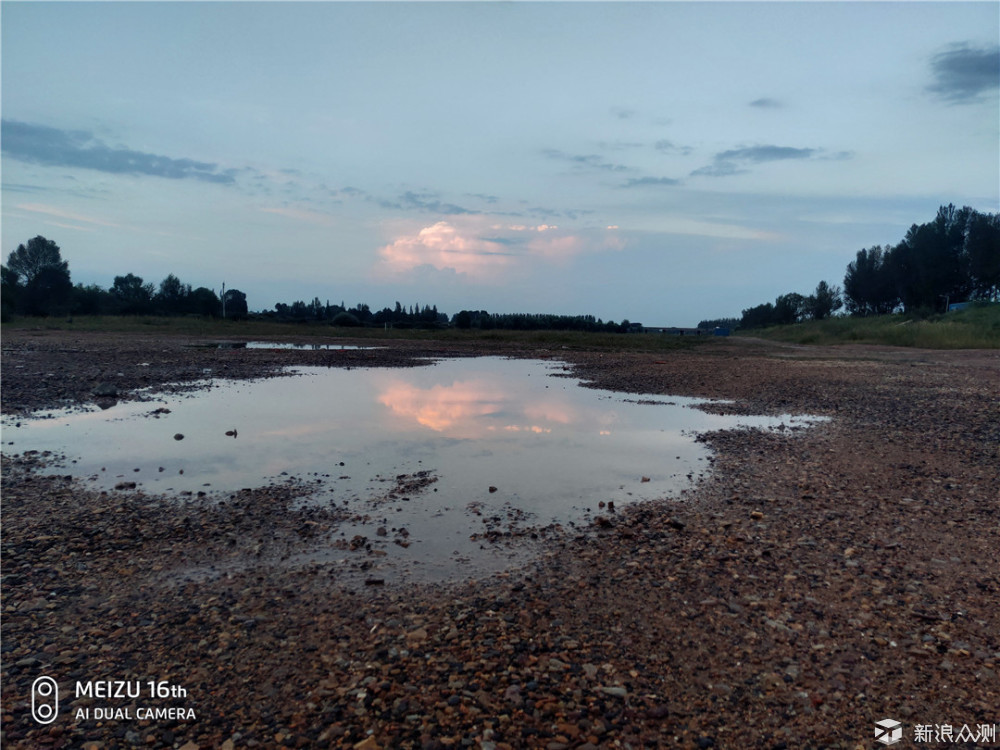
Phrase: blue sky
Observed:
(661, 162)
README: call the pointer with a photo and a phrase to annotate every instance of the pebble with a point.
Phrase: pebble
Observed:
(614, 636)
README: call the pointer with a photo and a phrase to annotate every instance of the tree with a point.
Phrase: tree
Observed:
(712, 324)
(29, 260)
(133, 297)
(172, 295)
(823, 302)
(345, 319)
(235, 304)
(788, 308)
(41, 278)
(869, 286)
(203, 301)
(982, 246)
(10, 292)
(759, 316)
(91, 300)
(930, 265)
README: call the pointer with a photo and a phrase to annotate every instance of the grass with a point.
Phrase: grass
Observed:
(250, 330)
(976, 327)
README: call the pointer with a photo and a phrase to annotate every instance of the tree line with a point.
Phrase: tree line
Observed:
(954, 258)
(482, 320)
(36, 281)
(359, 315)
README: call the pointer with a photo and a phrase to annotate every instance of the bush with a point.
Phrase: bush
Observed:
(345, 319)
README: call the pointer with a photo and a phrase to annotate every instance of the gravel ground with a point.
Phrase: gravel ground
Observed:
(819, 581)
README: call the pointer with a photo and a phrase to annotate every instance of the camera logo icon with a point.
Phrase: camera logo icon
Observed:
(44, 700)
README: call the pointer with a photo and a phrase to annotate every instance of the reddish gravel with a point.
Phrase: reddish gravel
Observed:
(817, 582)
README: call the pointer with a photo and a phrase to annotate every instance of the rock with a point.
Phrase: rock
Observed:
(416, 636)
(368, 743)
(105, 390)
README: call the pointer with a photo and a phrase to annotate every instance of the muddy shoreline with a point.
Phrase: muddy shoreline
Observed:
(814, 584)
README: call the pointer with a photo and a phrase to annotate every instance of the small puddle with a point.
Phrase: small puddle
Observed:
(306, 347)
(443, 466)
(275, 346)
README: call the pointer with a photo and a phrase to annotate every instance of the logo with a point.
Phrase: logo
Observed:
(44, 700)
(888, 731)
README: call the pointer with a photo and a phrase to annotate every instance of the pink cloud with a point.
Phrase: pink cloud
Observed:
(483, 250)
(41, 208)
(458, 409)
(444, 246)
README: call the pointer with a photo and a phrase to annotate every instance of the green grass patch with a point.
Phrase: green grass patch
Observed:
(251, 330)
(976, 327)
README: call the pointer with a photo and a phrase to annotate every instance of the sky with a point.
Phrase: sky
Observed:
(661, 162)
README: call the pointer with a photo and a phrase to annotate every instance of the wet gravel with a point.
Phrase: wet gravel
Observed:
(818, 581)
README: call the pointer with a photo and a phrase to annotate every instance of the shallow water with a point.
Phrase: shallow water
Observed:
(506, 445)
(305, 347)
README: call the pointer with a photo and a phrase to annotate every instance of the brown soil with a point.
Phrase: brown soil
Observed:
(817, 582)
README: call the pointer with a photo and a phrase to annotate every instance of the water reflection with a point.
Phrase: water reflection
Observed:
(499, 436)
(460, 409)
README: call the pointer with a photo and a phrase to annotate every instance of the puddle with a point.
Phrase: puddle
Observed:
(272, 345)
(305, 347)
(444, 465)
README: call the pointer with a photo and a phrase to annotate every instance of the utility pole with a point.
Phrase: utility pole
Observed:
(223, 300)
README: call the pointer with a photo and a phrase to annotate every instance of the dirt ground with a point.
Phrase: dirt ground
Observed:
(817, 582)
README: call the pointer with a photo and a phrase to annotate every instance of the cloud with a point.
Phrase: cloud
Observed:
(589, 161)
(669, 147)
(758, 154)
(426, 202)
(460, 409)
(963, 73)
(650, 182)
(735, 161)
(41, 208)
(445, 247)
(766, 103)
(51, 147)
(489, 251)
(619, 145)
(484, 197)
(623, 113)
(719, 169)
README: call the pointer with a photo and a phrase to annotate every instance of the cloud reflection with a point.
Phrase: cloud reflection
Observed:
(473, 408)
